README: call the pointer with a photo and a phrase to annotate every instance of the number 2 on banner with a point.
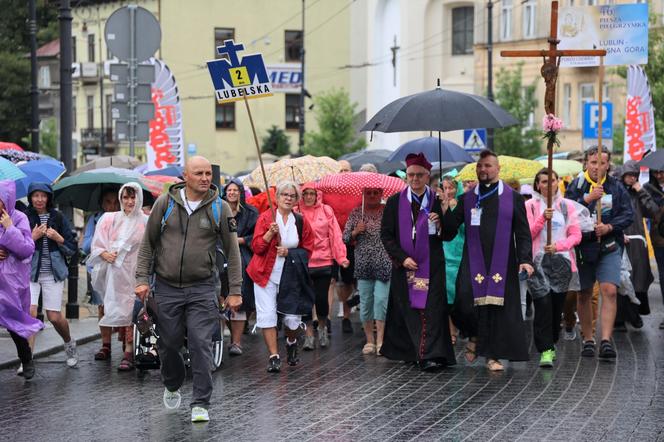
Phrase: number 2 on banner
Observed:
(239, 76)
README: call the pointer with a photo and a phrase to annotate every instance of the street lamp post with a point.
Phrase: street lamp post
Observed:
(34, 91)
(489, 50)
(302, 90)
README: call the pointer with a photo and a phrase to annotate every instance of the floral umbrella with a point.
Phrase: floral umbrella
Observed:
(511, 169)
(301, 170)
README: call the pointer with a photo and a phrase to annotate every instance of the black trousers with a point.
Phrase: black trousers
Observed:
(22, 348)
(321, 288)
(546, 323)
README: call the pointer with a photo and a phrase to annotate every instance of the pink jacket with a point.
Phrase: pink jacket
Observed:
(535, 214)
(328, 243)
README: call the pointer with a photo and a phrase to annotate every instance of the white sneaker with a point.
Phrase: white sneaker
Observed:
(199, 414)
(72, 354)
(569, 335)
(19, 370)
(172, 399)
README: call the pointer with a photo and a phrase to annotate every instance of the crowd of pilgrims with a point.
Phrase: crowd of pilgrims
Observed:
(439, 262)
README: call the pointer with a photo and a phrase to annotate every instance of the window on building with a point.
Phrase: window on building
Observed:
(506, 20)
(292, 111)
(90, 111)
(529, 19)
(73, 49)
(220, 36)
(586, 94)
(462, 30)
(73, 114)
(44, 77)
(591, 2)
(91, 47)
(567, 104)
(293, 45)
(224, 115)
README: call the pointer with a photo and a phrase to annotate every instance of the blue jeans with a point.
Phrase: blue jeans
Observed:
(373, 299)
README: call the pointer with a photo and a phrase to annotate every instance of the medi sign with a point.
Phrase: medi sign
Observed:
(285, 77)
(234, 79)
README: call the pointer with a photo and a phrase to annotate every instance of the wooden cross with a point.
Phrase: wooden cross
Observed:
(549, 71)
(394, 50)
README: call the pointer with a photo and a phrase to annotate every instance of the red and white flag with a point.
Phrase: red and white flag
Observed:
(639, 116)
(166, 145)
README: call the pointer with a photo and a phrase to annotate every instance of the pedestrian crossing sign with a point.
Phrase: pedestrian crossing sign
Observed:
(474, 140)
(234, 79)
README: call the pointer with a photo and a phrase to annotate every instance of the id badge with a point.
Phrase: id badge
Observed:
(475, 216)
(607, 202)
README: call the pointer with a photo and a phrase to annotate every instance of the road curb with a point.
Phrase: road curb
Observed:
(49, 351)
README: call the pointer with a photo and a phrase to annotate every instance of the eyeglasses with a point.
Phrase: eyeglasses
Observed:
(416, 175)
(289, 195)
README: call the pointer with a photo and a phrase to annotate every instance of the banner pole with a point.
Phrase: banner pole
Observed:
(600, 117)
(260, 157)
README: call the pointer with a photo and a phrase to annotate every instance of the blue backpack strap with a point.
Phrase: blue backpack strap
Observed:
(167, 213)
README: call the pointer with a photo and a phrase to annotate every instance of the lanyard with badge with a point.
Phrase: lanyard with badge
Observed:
(476, 212)
(424, 208)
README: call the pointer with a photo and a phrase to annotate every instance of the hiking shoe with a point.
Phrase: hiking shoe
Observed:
(274, 364)
(29, 370)
(637, 322)
(235, 350)
(546, 359)
(199, 414)
(606, 350)
(569, 335)
(309, 343)
(19, 370)
(346, 326)
(72, 354)
(172, 399)
(323, 338)
(588, 349)
(291, 349)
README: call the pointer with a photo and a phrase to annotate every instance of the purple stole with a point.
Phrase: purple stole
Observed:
(489, 287)
(418, 281)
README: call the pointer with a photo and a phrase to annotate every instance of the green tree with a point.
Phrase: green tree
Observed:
(48, 143)
(336, 132)
(15, 64)
(519, 100)
(276, 142)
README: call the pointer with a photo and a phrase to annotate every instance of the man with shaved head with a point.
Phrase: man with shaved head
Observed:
(177, 265)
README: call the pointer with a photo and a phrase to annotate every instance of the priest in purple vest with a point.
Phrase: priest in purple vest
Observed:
(496, 254)
(416, 326)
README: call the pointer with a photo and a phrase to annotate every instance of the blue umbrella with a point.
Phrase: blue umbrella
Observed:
(45, 170)
(429, 146)
(175, 171)
(10, 171)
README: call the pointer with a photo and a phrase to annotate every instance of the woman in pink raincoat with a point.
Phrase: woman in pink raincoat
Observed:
(113, 258)
(16, 249)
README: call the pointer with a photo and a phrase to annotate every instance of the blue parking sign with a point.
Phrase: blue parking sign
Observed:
(591, 120)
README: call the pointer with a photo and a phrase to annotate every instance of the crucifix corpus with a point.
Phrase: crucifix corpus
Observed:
(551, 62)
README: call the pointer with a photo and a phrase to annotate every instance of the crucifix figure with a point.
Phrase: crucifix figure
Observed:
(394, 50)
(551, 62)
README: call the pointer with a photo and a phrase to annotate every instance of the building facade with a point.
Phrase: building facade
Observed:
(191, 31)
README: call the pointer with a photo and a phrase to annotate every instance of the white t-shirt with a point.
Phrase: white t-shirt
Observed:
(289, 239)
(189, 205)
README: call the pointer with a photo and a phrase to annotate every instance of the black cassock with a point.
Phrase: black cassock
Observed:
(413, 334)
(500, 330)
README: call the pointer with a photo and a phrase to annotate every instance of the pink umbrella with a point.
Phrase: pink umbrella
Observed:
(10, 146)
(344, 191)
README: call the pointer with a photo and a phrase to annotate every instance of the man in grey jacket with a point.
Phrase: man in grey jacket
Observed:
(179, 250)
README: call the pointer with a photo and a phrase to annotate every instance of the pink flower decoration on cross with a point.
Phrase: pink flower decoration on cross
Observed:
(551, 123)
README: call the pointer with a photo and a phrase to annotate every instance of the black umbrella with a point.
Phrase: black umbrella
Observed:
(439, 110)
(451, 152)
(654, 160)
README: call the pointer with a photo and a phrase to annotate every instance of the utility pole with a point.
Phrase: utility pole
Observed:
(64, 17)
(34, 91)
(102, 138)
(302, 91)
(489, 50)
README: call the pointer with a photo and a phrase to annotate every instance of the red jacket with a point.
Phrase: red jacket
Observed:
(261, 264)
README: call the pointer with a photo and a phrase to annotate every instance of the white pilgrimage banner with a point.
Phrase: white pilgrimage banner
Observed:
(639, 116)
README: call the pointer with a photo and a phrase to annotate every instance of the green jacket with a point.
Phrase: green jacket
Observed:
(185, 251)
